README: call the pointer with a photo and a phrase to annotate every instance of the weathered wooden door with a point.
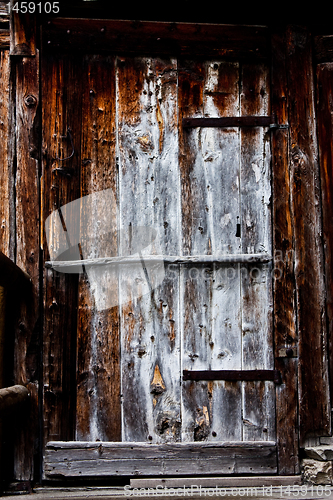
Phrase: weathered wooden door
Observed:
(172, 224)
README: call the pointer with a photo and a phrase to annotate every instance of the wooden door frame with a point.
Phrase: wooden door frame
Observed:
(296, 197)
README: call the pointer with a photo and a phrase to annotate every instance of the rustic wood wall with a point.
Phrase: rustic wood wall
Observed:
(20, 206)
(302, 99)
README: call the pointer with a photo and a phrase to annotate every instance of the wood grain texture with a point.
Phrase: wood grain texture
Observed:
(61, 87)
(149, 198)
(82, 459)
(98, 349)
(7, 138)
(22, 33)
(325, 134)
(206, 194)
(285, 331)
(258, 410)
(4, 39)
(314, 409)
(27, 341)
(210, 192)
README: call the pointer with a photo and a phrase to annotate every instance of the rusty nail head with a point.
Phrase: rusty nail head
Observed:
(289, 352)
(214, 434)
(150, 438)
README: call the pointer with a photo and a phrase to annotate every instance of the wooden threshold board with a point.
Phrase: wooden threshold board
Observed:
(77, 459)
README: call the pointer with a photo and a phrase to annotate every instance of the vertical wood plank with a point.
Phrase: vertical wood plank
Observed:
(209, 163)
(314, 405)
(7, 138)
(256, 290)
(27, 256)
(98, 392)
(149, 199)
(22, 33)
(325, 141)
(196, 306)
(222, 99)
(285, 332)
(61, 87)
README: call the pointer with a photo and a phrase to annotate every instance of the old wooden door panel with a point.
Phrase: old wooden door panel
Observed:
(147, 187)
(149, 197)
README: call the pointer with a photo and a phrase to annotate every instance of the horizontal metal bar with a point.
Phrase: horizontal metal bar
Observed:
(230, 121)
(257, 258)
(233, 375)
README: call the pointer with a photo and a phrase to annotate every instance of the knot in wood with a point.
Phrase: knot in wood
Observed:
(30, 101)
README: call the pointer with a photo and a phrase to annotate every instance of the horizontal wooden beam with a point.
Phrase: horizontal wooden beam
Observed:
(149, 37)
(259, 258)
(10, 397)
(86, 459)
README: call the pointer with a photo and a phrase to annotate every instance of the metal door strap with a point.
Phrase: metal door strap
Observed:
(234, 375)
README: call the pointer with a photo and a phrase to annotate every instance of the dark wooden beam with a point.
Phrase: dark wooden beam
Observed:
(22, 33)
(285, 333)
(100, 36)
(27, 334)
(314, 402)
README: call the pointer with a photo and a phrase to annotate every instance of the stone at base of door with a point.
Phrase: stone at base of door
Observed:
(317, 467)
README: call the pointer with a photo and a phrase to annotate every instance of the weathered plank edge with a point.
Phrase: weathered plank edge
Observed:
(80, 445)
(172, 459)
(285, 333)
(325, 133)
(23, 28)
(27, 205)
(314, 403)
